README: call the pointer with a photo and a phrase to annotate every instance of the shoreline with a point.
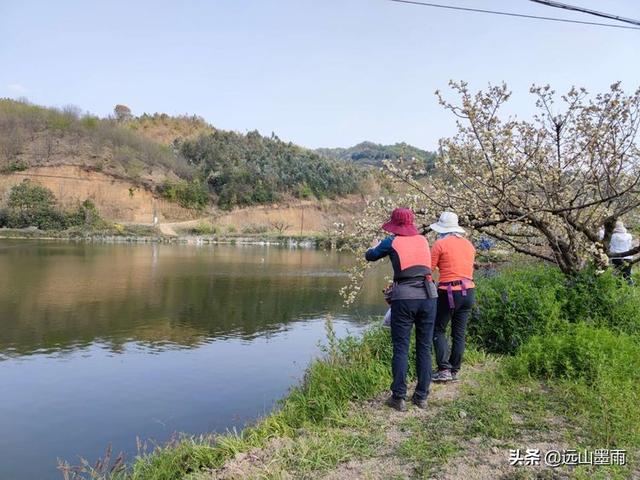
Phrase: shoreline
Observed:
(554, 391)
(334, 425)
(291, 241)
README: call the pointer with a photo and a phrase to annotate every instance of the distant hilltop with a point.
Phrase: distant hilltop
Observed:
(369, 153)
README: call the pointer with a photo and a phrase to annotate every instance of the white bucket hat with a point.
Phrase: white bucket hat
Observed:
(448, 223)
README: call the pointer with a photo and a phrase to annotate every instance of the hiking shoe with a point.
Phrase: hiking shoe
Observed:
(442, 376)
(398, 404)
(419, 402)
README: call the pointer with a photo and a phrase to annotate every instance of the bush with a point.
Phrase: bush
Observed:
(525, 301)
(597, 370)
(32, 205)
(30, 196)
(85, 215)
(49, 219)
(580, 352)
(192, 194)
(514, 305)
(604, 300)
(14, 166)
(204, 228)
(253, 229)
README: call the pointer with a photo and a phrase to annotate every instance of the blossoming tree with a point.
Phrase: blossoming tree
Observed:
(543, 187)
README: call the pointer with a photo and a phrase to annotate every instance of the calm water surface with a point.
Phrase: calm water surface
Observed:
(102, 344)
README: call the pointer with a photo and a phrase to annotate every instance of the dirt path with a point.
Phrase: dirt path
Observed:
(376, 442)
(169, 228)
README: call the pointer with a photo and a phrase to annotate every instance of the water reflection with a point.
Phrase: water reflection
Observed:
(61, 296)
(104, 343)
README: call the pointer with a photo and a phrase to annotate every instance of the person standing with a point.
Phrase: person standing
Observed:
(453, 256)
(621, 241)
(413, 302)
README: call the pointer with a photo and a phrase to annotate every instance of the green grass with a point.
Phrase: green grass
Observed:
(431, 443)
(578, 383)
(353, 370)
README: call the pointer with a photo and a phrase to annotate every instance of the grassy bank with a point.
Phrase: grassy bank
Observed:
(556, 365)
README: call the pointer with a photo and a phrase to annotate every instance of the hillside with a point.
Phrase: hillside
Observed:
(253, 169)
(169, 130)
(34, 136)
(373, 154)
(182, 159)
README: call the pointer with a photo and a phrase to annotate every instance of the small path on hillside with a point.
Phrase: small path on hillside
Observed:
(169, 228)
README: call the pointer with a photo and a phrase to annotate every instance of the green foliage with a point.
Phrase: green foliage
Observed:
(14, 166)
(251, 169)
(32, 205)
(604, 300)
(525, 301)
(514, 305)
(85, 215)
(580, 352)
(204, 228)
(369, 153)
(176, 460)
(600, 369)
(191, 194)
(30, 196)
(90, 122)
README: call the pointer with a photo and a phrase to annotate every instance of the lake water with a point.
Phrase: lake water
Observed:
(103, 344)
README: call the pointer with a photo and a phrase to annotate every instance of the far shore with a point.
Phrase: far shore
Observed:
(292, 241)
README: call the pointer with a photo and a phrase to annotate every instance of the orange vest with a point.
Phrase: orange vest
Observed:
(453, 256)
(412, 251)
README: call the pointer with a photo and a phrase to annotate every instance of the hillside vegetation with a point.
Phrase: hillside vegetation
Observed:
(369, 153)
(31, 135)
(251, 169)
(167, 129)
(182, 158)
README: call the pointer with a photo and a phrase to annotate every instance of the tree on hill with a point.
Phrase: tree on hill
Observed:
(122, 113)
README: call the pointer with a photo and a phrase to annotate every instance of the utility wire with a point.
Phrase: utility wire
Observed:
(551, 3)
(510, 14)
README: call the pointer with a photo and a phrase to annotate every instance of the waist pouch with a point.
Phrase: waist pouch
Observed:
(464, 283)
(426, 281)
(430, 286)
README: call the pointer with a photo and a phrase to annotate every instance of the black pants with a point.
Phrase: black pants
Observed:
(458, 316)
(623, 266)
(404, 314)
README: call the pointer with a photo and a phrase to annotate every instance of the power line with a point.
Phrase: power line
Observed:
(510, 14)
(565, 6)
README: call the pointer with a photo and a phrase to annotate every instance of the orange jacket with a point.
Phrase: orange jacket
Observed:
(453, 256)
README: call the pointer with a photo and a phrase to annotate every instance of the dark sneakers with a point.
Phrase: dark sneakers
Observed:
(442, 376)
(419, 402)
(398, 404)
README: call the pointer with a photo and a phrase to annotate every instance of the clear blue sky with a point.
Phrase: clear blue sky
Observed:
(316, 72)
